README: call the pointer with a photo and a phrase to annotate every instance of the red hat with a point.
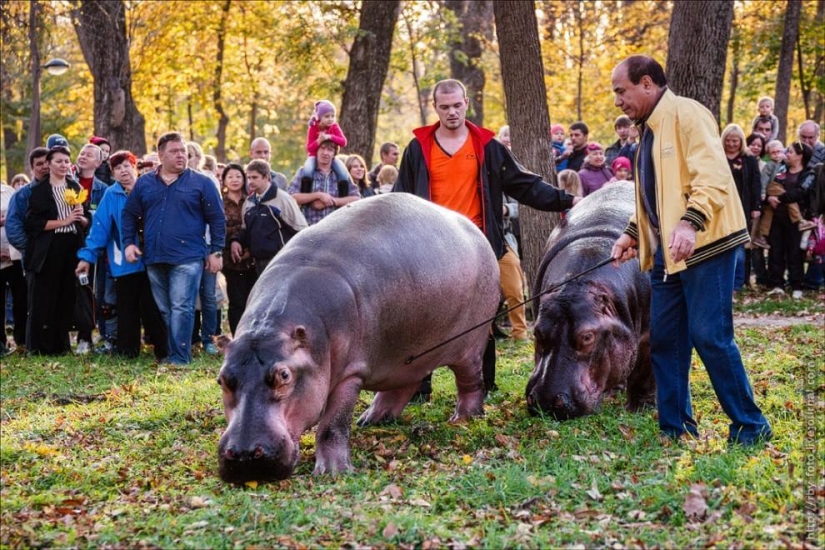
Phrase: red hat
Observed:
(555, 128)
(95, 140)
(620, 162)
(594, 146)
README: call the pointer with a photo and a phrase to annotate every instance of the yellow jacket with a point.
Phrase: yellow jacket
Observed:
(693, 183)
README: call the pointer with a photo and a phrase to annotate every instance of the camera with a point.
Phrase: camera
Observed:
(83, 279)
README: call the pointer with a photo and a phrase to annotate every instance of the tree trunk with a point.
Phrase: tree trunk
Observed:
(819, 73)
(476, 19)
(734, 77)
(790, 34)
(416, 75)
(101, 30)
(34, 138)
(223, 118)
(368, 65)
(522, 72)
(697, 49)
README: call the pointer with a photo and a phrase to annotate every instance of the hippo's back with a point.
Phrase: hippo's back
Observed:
(588, 233)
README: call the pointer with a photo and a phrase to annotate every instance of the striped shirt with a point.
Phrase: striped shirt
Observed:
(64, 209)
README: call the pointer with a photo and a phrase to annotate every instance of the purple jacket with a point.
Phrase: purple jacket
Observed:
(593, 178)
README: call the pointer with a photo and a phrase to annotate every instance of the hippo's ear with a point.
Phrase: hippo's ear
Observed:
(299, 334)
(221, 342)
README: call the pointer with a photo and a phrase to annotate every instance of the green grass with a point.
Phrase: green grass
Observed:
(101, 452)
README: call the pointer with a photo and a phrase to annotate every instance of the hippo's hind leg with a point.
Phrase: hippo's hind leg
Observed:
(470, 385)
(387, 405)
(641, 385)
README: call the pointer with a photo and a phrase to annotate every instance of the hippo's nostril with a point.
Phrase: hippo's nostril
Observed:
(230, 454)
(560, 401)
(530, 400)
(258, 452)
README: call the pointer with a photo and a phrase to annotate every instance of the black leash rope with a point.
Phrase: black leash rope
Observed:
(604, 262)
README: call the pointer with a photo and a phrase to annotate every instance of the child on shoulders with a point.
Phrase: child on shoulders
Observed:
(322, 127)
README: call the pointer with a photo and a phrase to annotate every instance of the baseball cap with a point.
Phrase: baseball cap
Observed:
(55, 140)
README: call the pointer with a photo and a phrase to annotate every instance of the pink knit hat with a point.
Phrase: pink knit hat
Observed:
(621, 162)
(322, 107)
(555, 128)
(594, 146)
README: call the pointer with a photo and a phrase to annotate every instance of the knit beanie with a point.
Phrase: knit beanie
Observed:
(594, 146)
(95, 140)
(620, 162)
(322, 107)
(555, 128)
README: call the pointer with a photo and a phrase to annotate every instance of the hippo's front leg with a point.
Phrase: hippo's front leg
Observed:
(332, 437)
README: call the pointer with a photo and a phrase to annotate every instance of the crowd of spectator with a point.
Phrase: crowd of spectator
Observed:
(115, 243)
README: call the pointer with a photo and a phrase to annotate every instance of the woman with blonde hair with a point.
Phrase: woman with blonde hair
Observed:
(745, 170)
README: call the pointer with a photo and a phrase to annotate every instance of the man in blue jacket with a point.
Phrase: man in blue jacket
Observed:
(175, 204)
(133, 293)
(16, 214)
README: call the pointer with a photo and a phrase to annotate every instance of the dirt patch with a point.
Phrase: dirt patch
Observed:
(777, 321)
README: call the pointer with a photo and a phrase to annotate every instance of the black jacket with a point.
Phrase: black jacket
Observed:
(41, 209)
(500, 173)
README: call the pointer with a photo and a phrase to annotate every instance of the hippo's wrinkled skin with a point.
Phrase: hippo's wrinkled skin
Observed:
(339, 310)
(592, 334)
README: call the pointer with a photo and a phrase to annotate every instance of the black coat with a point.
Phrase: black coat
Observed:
(41, 209)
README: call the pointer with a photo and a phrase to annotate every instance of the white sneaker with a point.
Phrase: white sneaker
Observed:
(83, 347)
(775, 291)
(797, 294)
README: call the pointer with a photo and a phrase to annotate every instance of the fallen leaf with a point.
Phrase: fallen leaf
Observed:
(252, 484)
(198, 502)
(594, 493)
(420, 502)
(467, 459)
(390, 531)
(393, 490)
(695, 507)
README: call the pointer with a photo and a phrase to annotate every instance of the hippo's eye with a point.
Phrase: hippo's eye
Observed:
(586, 339)
(279, 376)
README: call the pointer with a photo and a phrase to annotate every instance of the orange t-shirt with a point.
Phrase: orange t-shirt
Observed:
(454, 180)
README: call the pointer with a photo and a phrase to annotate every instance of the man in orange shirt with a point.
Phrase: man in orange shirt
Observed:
(462, 167)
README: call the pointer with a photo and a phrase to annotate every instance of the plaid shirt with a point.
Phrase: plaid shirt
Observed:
(323, 183)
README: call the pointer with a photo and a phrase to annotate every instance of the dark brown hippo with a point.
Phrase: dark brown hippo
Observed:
(592, 334)
(339, 310)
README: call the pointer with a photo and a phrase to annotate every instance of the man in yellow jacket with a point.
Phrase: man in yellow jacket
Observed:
(687, 225)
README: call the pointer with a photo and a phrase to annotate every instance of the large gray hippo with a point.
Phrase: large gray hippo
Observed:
(592, 334)
(339, 310)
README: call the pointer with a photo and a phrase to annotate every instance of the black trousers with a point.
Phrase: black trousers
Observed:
(52, 294)
(13, 275)
(135, 307)
(784, 253)
(238, 286)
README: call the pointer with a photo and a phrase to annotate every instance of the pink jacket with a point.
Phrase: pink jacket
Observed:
(336, 135)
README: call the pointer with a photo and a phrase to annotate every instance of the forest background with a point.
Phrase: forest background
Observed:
(223, 72)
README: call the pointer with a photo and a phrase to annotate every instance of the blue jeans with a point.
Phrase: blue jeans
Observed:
(739, 271)
(175, 288)
(694, 309)
(209, 307)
